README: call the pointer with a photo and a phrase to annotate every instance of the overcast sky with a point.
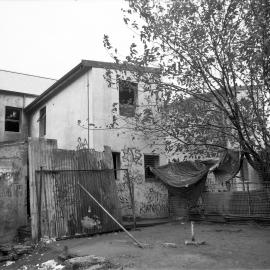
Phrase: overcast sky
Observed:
(48, 38)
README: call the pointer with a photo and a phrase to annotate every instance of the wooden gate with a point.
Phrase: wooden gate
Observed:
(59, 207)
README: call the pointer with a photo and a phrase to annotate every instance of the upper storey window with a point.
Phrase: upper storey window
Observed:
(127, 98)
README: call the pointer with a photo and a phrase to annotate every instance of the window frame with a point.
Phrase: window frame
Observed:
(126, 109)
(11, 120)
(149, 176)
(116, 164)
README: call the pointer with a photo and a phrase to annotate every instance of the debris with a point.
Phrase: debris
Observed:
(89, 223)
(195, 243)
(22, 249)
(92, 261)
(24, 267)
(171, 245)
(50, 265)
(11, 253)
(8, 263)
(47, 240)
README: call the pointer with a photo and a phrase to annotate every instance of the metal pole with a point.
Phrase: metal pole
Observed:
(249, 203)
(88, 109)
(93, 198)
(47, 214)
(132, 200)
(39, 204)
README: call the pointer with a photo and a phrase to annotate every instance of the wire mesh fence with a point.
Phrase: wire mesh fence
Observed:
(239, 198)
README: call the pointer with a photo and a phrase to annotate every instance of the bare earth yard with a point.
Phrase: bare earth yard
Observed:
(227, 247)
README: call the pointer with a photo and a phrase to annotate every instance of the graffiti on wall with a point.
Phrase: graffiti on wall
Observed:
(155, 202)
(8, 182)
(131, 155)
(151, 199)
(124, 197)
(81, 144)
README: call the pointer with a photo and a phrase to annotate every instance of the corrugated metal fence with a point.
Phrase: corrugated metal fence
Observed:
(59, 208)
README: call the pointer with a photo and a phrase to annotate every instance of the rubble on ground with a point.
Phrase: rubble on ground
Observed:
(13, 252)
(169, 245)
(50, 265)
(90, 262)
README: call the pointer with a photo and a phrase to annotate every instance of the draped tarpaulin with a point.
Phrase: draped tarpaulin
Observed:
(188, 177)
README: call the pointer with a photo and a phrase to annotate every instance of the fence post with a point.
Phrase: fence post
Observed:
(131, 193)
(249, 202)
(39, 204)
(46, 208)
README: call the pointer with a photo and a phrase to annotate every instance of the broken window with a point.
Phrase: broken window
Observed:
(42, 122)
(127, 97)
(150, 161)
(116, 165)
(13, 119)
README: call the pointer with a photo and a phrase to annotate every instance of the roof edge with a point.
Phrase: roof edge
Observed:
(58, 86)
(77, 71)
(11, 92)
(30, 75)
(118, 66)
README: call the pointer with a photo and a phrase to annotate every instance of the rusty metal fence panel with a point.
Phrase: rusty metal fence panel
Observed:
(66, 210)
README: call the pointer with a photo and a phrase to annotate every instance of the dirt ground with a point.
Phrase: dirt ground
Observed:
(227, 247)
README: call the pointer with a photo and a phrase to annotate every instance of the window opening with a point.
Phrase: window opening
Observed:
(42, 122)
(116, 165)
(12, 119)
(150, 161)
(127, 97)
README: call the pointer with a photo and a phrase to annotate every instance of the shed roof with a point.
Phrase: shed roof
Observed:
(23, 83)
(78, 71)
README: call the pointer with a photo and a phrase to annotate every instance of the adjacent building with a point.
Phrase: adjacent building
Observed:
(17, 90)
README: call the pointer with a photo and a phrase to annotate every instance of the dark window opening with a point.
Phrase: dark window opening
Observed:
(116, 165)
(127, 97)
(12, 119)
(150, 161)
(42, 122)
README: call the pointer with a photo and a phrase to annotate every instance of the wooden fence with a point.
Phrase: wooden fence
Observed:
(59, 208)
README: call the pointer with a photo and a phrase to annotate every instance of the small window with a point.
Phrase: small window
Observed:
(127, 98)
(42, 122)
(13, 119)
(150, 161)
(116, 165)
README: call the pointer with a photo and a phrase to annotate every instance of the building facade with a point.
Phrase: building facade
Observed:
(77, 112)
(17, 90)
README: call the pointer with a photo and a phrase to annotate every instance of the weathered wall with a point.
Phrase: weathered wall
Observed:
(151, 198)
(13, 100)
(13, 189)
(62, 114)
